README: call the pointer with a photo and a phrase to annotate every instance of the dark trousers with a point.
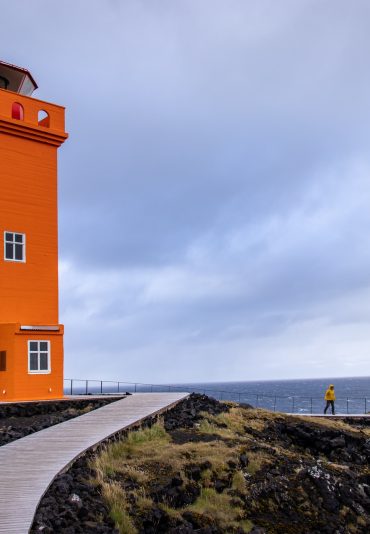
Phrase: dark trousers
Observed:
(330, 403)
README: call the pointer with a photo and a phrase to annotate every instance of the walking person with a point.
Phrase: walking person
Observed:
(330, 398)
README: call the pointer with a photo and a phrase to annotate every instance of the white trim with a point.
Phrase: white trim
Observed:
(38, 372)
(41, 328)
(23, 260)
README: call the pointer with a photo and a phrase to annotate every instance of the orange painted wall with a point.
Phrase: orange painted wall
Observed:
(28, 205)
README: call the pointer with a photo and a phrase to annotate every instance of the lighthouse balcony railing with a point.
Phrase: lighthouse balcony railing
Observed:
(31, 111)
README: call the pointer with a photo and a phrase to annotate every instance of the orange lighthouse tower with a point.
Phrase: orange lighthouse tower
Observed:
(31, 338)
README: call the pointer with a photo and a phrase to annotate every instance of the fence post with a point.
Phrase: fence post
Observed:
(135, 388)
(239, 398)
(71, 386)
(347, 404)
(293, 407)
(256, 401)
(275, 404)
(101, 386)
(117, 387)
(86, 387)
(365, 404)
(311, 405)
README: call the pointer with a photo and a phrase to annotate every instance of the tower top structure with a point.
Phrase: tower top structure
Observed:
(16, 79)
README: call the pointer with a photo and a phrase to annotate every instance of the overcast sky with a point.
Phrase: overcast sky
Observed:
(214, 194)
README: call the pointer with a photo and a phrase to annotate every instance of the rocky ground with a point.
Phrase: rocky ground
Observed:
(211, 468)
(20, 419)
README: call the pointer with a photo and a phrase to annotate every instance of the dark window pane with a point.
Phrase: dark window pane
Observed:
(8, 251)
(8, 237)
(44, 361)
(19, 252)
(34, 345)
(2, 360)
(33, 362)
(18, 238)
(43, 345)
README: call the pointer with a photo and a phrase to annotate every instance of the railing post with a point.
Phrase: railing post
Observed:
(347, 404)
(135, 388)
(101, 386)
(71, 386)
(275, 403)
(311, 405)
(239, 398)
(256, 401)
(365, 404)
(117, 387)
(86, 386)
(293, 407)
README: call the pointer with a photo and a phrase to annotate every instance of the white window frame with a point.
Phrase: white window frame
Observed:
(13, 242)
(38, 352)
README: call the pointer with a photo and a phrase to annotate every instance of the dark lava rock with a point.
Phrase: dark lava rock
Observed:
(73, 506)
(187, 413)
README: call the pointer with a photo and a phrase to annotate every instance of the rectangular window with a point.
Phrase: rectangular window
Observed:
(14, 246)
(39, 357)
(2, 360)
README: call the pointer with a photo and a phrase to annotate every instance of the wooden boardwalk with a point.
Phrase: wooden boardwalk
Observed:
(29, 465)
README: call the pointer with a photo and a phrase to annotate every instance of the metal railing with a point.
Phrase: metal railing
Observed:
(289, 404)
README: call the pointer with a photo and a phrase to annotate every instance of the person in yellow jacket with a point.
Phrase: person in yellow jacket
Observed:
(330, 398)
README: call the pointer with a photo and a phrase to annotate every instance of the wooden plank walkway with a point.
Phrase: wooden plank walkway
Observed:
(29, 465)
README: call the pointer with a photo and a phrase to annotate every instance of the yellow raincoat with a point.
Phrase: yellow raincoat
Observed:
(330, 394)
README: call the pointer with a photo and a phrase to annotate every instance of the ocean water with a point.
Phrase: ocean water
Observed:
(297, 396)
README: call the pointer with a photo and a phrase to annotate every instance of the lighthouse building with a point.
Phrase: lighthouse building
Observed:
(31, 338)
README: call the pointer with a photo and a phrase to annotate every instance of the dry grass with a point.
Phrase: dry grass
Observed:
(116, 498)
(219, 508)
(147, 456)
(257, 460)
(334, 424)
(239, 483)
(234, 423)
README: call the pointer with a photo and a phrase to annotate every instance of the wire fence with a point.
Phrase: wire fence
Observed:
(275, 403)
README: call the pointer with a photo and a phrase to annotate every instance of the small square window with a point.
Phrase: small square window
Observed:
(14, 246)
(39, 357)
